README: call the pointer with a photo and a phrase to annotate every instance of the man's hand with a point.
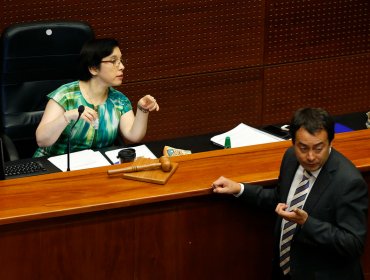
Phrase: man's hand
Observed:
(225, 185)
(295, 215)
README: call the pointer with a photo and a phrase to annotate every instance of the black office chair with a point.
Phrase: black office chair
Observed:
(36, 58)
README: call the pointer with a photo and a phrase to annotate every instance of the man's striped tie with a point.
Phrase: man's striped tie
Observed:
(289, 227)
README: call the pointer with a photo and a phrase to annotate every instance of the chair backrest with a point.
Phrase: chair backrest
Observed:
(36, 58)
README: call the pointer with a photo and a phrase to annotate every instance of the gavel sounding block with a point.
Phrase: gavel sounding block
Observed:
(157, 176)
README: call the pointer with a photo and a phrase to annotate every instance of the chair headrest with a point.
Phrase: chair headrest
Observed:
(42, 50)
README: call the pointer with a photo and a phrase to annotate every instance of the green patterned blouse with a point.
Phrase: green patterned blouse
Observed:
(85, 136)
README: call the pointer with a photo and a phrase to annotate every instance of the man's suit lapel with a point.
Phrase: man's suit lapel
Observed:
(290, 169)
(321, 182)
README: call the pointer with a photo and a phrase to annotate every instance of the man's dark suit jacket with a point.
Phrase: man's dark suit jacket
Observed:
(330, 243)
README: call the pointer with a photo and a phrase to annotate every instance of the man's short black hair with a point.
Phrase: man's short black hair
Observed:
(313, 120)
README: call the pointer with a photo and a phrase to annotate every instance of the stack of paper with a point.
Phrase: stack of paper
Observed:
(244, 135)
(80, 160)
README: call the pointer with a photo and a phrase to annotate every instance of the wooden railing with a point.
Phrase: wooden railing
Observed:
(88, 225)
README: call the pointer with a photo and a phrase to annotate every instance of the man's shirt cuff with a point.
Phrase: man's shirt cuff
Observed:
(241, 190)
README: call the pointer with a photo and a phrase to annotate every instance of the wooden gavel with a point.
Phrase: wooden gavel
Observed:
(164, 164)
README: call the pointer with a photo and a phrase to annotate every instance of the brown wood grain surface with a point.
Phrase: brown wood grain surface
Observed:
(88, 225)
(89, 190)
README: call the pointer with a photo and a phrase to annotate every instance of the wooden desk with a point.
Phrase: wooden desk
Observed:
(86, 225)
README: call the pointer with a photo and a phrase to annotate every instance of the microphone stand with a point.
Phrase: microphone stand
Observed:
(68, 152)
(2, 170)
(81, 108)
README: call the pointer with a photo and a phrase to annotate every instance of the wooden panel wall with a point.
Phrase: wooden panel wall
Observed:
(193, 238)
(214, 63)
(316, 54)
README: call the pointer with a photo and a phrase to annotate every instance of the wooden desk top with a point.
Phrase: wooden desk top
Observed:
(75, 192)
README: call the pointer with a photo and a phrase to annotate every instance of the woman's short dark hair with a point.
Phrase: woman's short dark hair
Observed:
(92, 54)
(312, 120)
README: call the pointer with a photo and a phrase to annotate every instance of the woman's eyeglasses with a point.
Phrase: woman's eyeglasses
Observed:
(115, 62)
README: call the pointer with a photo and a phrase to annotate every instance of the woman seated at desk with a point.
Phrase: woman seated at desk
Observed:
(106, 110)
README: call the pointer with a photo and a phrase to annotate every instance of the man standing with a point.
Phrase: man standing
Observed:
(321, 201)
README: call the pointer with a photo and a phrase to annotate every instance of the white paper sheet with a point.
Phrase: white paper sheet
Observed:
(244, 135)
(80, 160)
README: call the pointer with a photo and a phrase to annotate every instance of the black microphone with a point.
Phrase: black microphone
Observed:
(81, 109)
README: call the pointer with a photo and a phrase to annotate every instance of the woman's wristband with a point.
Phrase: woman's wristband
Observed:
(142, 109)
